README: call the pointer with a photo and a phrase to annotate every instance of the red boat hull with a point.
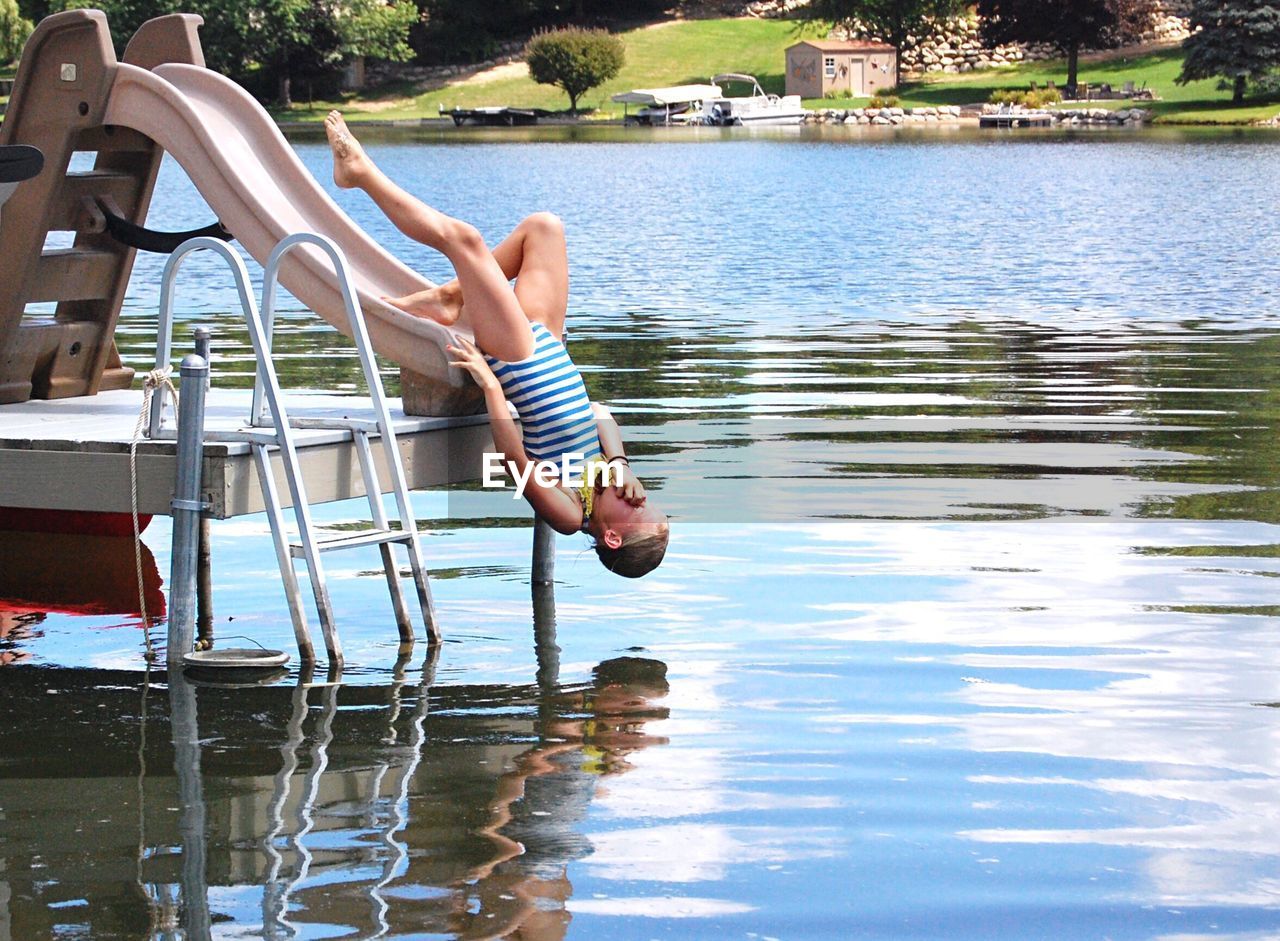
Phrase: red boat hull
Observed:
(70, 522)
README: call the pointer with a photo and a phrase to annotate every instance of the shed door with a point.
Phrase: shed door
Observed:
(857, 68)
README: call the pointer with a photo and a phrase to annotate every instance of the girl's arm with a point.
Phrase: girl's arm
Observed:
(553, 504)
(610, 436)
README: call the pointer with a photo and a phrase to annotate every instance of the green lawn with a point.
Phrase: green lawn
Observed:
(1195, 103)
(674, 53)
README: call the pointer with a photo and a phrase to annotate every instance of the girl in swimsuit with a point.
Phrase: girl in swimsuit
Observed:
(517, 355)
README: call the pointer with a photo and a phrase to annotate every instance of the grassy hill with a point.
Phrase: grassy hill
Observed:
(680, 52)
(670, 53)
(686, 51)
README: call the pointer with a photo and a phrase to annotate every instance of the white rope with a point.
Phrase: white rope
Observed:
(156, 379)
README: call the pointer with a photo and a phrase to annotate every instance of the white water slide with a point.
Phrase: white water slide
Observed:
(252, 179)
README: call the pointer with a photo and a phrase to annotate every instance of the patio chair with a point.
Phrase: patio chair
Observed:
(1127, 90)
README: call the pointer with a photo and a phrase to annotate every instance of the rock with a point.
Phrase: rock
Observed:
(896, 112)
(897, 119)
(879, 119)
(863, 119)
(1123, 115)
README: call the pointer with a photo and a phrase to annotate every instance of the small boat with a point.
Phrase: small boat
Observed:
(678, 104)
(758, 108)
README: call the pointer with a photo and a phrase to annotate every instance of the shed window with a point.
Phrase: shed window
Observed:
(829, 66)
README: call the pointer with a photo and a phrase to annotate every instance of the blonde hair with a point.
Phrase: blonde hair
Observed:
(638, 555)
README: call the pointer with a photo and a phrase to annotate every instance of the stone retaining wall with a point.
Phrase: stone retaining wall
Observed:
(884, 116)
(1066, 117)
(1129, 117)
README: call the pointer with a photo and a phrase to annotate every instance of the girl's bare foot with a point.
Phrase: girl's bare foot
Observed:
(442, 304)
(350, 164)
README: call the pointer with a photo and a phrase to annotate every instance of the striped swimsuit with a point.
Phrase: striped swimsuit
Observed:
(551, 400)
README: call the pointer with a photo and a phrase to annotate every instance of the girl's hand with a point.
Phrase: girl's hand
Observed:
(630, 489)
(472, 360)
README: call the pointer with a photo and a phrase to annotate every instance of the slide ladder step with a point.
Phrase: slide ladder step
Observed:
(74, 274)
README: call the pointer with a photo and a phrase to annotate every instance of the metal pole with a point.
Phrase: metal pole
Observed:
(187, 508)
(204, 559)
(543, 570)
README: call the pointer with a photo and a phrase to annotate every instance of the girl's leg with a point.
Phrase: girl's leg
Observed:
(496, 317)
(533, 254)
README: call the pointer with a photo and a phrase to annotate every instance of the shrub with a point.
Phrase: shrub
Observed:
(574, 59)
(14, 31)
(1048, 96)
(1028, 99)
(881, 100)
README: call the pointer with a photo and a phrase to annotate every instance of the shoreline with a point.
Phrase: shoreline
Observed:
(1074, 121)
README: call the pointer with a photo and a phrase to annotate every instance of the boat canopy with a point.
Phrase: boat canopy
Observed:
(738, 77)
(675, 95)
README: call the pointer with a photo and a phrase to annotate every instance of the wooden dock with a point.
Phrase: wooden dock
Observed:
(496, 116)
(73, 454)
(1016, 119)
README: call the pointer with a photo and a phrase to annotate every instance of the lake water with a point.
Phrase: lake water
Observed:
(968, 626)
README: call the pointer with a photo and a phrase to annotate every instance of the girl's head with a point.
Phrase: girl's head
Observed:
(630, 540)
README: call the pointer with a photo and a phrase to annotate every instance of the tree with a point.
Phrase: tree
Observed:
(275, 40)
(1070, 25)
(890, 20)
(1236, 39)
(14, 30)
(574, 59)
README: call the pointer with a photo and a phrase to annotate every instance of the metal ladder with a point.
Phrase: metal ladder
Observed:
(270, 427)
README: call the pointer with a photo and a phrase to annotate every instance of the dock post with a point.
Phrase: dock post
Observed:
(204, 560)
(543, 570)
(187, 508)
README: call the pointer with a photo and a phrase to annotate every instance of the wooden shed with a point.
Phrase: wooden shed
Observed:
(848, 67)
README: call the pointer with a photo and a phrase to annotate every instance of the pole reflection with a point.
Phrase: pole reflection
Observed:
(370, 810)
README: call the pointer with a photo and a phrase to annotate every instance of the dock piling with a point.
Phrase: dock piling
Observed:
(204, 561)
(543, 569)
(187, 507)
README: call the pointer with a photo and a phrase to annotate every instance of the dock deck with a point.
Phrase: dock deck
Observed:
(73, 454)
(1016, 119)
